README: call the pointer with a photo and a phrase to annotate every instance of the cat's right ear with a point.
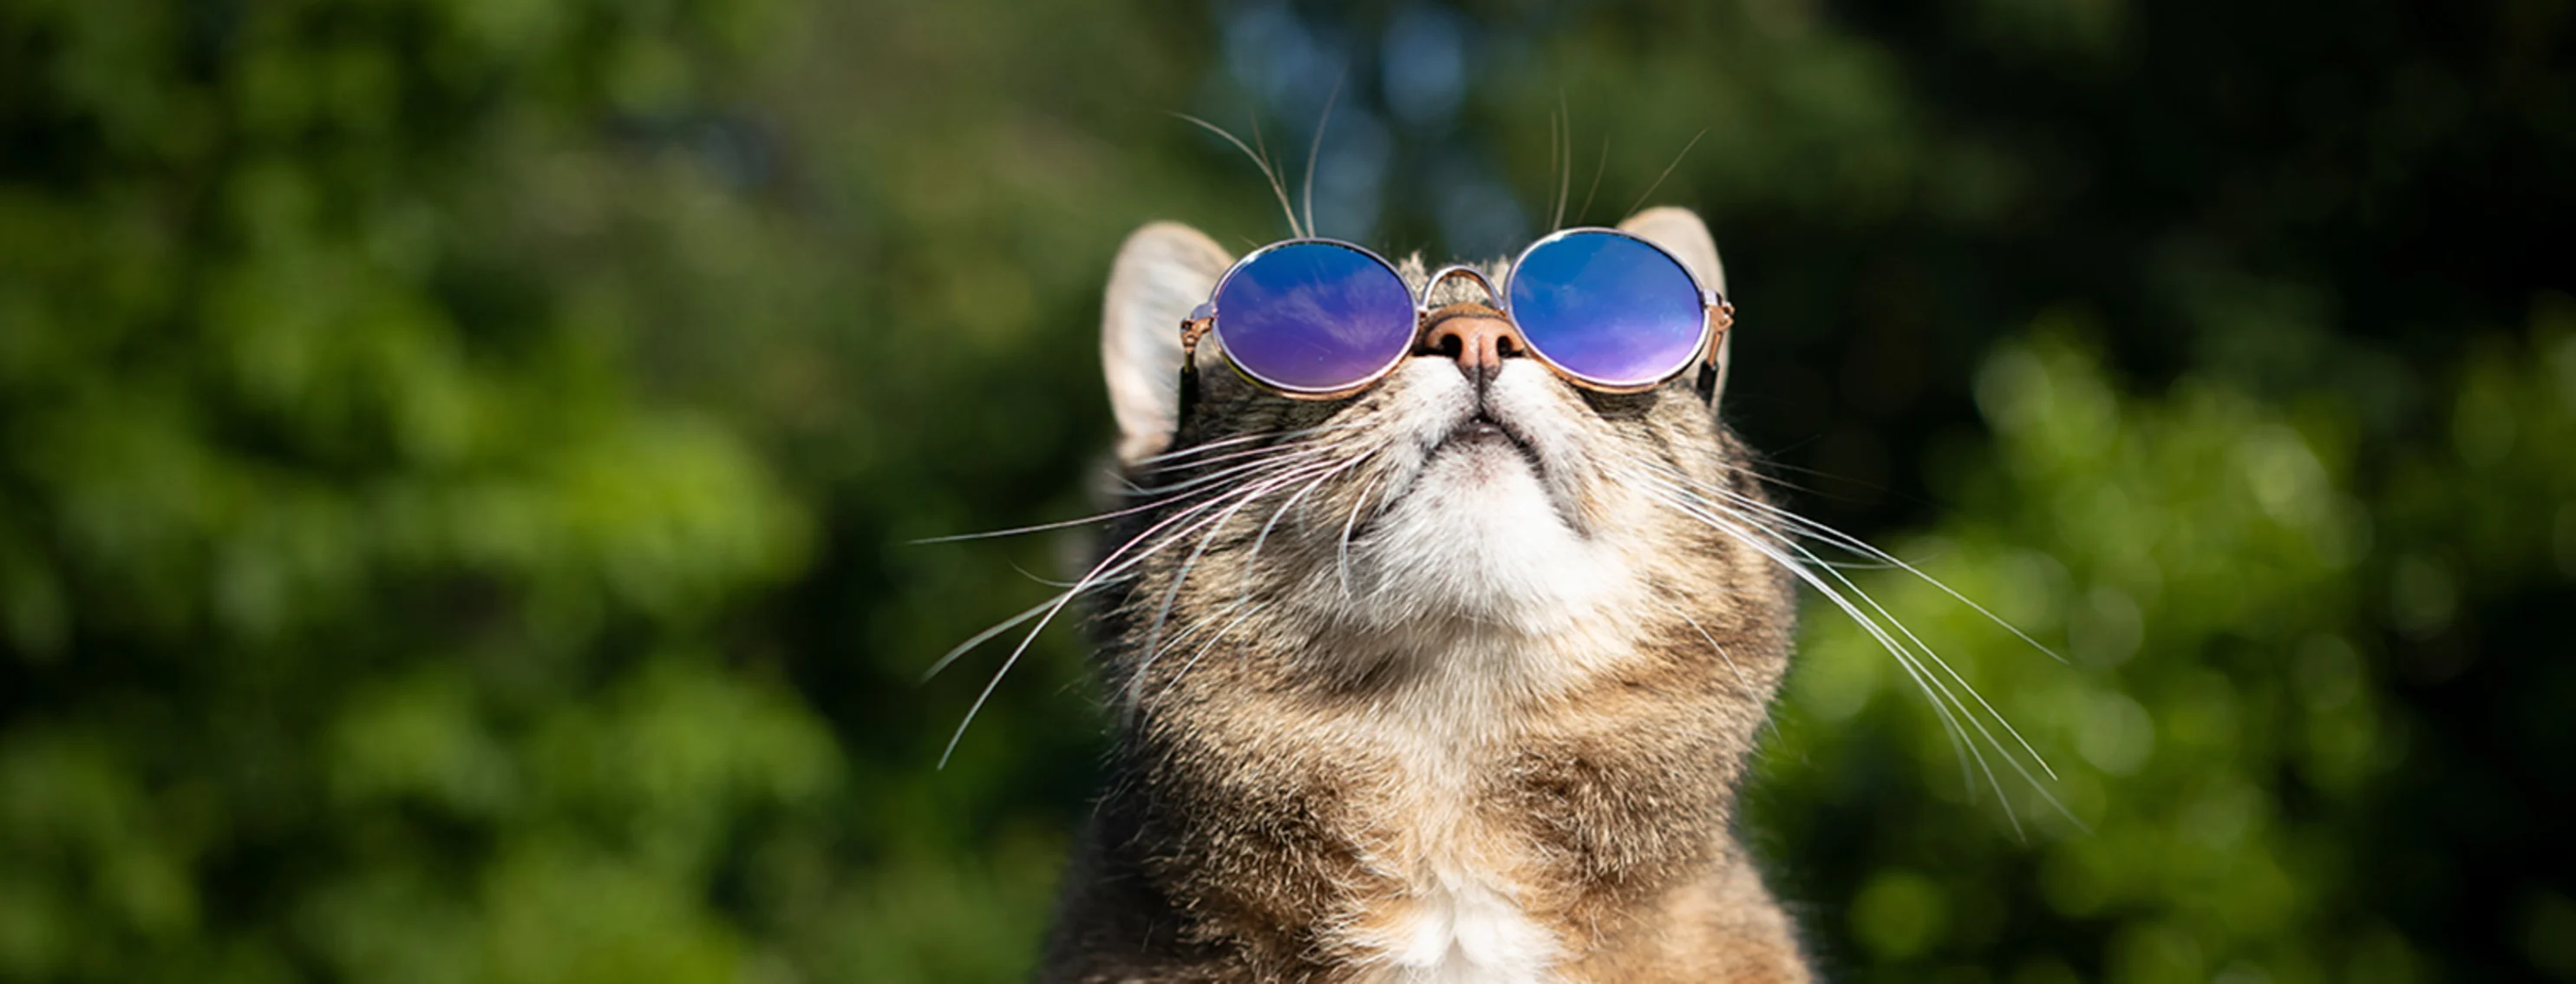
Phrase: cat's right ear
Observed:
(1163, 271)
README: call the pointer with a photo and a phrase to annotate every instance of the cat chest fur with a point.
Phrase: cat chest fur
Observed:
(1434, 835)
(1459, 901)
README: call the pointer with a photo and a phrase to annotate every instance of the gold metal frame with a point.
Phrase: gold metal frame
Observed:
(1716, 317)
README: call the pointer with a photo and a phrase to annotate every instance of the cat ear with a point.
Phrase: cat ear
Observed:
(1163, 271)
(1681, 233)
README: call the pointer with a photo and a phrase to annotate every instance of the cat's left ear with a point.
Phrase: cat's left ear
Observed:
(1681, 233)
(1163, 271)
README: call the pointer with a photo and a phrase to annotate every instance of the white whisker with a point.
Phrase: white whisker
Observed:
(1180, 491)
(1919, 644)
(1058, 603)
(1315, 150)
(980, 638)
(1254, 555)
(1179, 458)
(1668, 171)
(1239, 471)
(1864, 548)
(1173, 593)
(1244, 438)
(1262, 160)
(1056, 525)
(1805, 565)
(1904, 660)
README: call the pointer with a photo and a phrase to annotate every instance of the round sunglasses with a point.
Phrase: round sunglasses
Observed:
(1322, 319)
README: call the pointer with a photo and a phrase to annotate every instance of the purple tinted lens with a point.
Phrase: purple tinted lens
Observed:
(1608, 308)
(1314, 316)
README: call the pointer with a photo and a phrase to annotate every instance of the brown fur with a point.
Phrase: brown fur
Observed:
(1288, 777)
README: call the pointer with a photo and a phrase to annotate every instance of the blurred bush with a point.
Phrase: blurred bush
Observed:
(363, 620)
(2223, 725)
(459, 457)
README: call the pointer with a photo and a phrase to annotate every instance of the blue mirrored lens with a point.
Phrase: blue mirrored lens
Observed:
(1608, 308)
(1314, 316)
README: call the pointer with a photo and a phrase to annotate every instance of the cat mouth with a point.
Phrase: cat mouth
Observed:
(1487, 466)
(1482, 431)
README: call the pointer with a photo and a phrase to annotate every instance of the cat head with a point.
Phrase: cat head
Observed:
(1472, 515)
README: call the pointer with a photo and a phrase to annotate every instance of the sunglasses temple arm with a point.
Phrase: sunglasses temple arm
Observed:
(1193, 328)
(1710, 373)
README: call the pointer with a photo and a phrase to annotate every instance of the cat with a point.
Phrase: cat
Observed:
(1454, 680)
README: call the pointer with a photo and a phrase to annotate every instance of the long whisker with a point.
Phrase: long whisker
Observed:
(1099, 575)
(1051, 582)
(1942, 664)
(1552, 139)
(1278, 184)
(1260, 160)
(1057, 525)
(1006, 625)
(1207, 446)
(1240, 453)
(1864, 548)
(1254, 555)
(1152, 646)
(1173, 593)
(1236, 471)
(1561, 161)
(1280, 454)
(1698, 508)
(1597, 168)
(1268, 452)
(1565, 173)
(1315, 149)
(1904, 660)
(1919, 645)
(1058, 603)
(1668, 171)
(980, 638)
(1938, 661)
(1997, 716)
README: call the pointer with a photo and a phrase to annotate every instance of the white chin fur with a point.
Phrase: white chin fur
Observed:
(1478, 537)
(1475, 532)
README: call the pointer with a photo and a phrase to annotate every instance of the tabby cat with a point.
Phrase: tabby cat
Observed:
(1453, 678)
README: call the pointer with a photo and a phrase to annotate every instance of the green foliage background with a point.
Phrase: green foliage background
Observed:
(459, 457)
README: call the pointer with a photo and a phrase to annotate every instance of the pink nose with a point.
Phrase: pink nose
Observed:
(1479, 337)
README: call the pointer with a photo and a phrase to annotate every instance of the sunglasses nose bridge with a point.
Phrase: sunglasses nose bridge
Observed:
(1431, 285)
